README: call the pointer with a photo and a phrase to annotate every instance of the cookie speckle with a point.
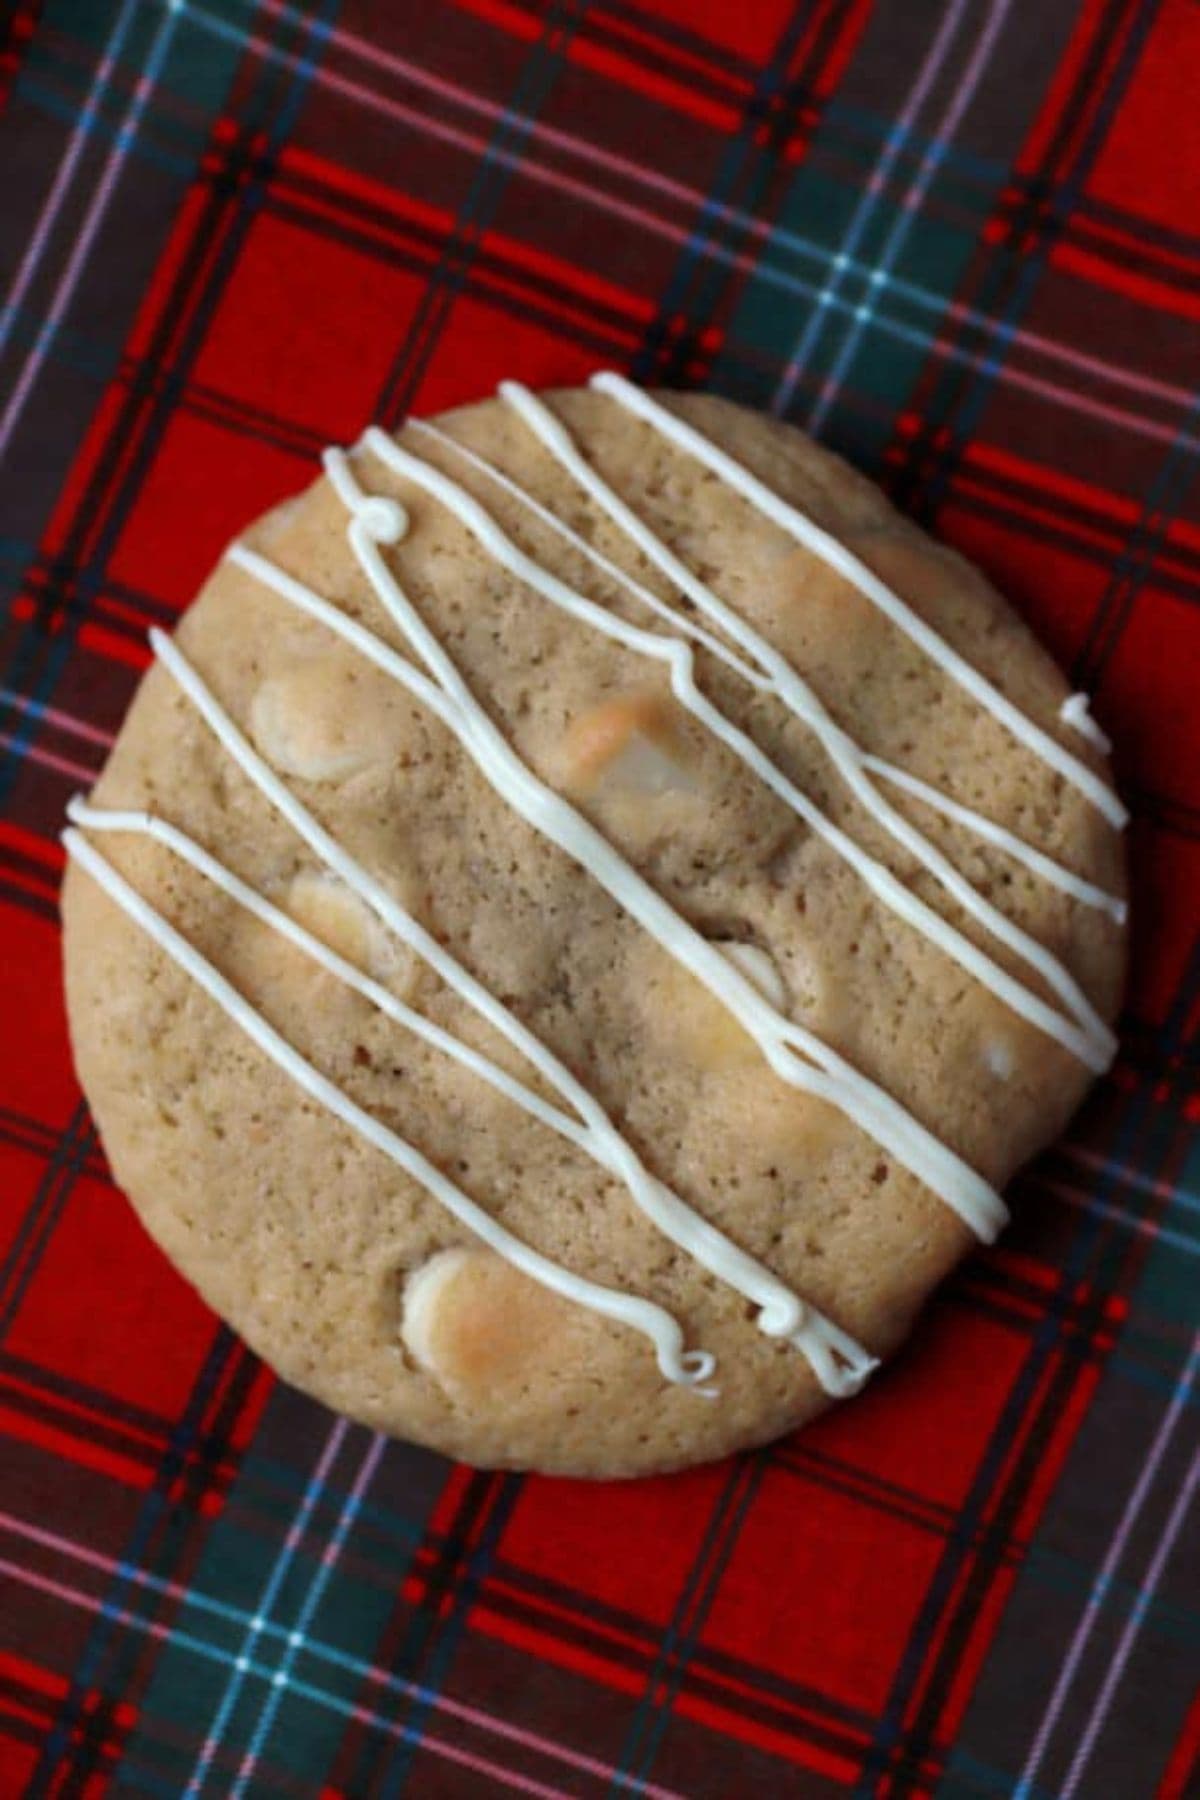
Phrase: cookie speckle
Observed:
(294, 1230)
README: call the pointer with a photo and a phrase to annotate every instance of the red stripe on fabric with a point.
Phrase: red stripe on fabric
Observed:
(1059, 94)
(139, 616)
(1001, 461)
(1023, 509)
(441, 1518)
(79, 1451)
(730, 1722)
(638, 79)
(1129, 240)
(565, 313)
(497, 279)
(21, 1714)
(1184, 531)
(65, 1403)
(777, 1702)
(511, 19)
(799, 1751)
(581, 1620)
(556, 1650)
(584, 281)
(43, 850)
(573, 1616)
(713, 68)
(33, 1675)
(842, 49)
(251, 1411)
(1101, 272)
(1177, 1780)
(1027, 1268)
(403, 206)
(116, 648)
(29, 884)
(978, 1642)
(179, 245)
(342, 179)
(632, 75)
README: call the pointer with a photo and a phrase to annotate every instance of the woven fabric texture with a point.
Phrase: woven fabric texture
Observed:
(960, 241)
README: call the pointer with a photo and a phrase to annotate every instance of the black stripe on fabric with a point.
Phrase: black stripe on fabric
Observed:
(673, 347)
(647, 44)
(540, 72)
(603, 327)
(130, 1656)
(234, 177)
(40, 1139)
(682, 1634)
(1177, 474)
(1149, 236)
(101, 511)
(15, 895)
(928, 1672)
(420, 1647)
(72, 1148)
(103, 1629)
(925, 466)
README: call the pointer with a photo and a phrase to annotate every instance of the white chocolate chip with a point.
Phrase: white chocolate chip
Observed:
(631, 745)
(999, 1059)
(310, 721)
(479, 1326)
(425, 1291)
(336, 915)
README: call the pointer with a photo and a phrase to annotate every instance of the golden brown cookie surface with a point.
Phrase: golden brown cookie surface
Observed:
(345, 1272)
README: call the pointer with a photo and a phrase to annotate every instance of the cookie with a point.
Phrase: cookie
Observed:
(580, 925)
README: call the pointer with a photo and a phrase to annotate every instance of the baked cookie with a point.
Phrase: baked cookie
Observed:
(581, 923)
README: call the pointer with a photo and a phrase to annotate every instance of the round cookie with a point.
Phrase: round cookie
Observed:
(338, 1265)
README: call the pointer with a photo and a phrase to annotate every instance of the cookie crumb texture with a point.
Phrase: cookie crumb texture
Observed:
(344, 1273)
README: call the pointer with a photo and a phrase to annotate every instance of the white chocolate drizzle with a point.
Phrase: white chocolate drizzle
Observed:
(1035, 860)
(824, 545)
(784, 1042)
(737, 976)
(839, 1363)
(1055, 874)
(685, 1367)
(1085, 1034)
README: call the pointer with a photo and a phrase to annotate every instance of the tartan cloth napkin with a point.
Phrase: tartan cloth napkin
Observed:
(961, 242)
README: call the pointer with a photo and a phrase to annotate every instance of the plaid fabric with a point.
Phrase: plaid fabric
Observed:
(961, 240)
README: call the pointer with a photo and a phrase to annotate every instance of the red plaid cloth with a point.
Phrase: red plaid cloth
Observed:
(962, 242)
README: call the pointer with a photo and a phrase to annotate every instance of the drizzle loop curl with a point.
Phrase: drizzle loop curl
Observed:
(795, 1054)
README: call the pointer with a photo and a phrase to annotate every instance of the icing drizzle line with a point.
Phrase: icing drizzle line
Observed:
(685, 1367)
(840, 1364)
(1086, 1035)
(823, 544)
(1055, 874)
(784, 1042)
(795, 1054)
